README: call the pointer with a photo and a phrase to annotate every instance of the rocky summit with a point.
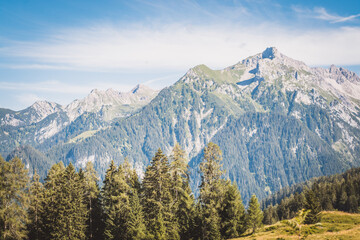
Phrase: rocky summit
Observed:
(277, 121)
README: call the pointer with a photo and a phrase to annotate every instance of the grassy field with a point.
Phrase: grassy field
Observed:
(334, 225)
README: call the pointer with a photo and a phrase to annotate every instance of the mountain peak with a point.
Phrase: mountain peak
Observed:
(341, 75)
(42, 104)
(140, 88)
(271, 53)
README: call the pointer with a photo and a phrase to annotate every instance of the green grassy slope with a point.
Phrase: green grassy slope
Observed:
(334, 225)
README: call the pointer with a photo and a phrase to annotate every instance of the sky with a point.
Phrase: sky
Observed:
(60, 50)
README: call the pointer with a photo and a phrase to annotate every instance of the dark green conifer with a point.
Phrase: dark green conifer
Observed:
(94, 221)
(71, 212)
(136, 229)
(312, 204)
(14, 199)
(211, 192)
(135, 223)
(52, 199)
(36, 210)
(233, 222)
(132, 179)
(157, 199)
(183, 201)
(254, 214)
(65, 213)
(116, 203)
(270, 215)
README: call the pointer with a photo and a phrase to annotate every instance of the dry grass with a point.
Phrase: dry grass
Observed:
(334, 225)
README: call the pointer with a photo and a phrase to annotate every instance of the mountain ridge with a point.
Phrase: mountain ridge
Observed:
(256, 94)
(43, 120)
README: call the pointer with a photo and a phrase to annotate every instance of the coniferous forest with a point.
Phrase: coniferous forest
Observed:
(70, 204)
(337, 192)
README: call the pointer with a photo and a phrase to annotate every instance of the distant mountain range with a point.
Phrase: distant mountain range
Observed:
(278, 122)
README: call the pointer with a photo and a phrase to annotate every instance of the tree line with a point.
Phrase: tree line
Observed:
(337, 192)
(70, 204)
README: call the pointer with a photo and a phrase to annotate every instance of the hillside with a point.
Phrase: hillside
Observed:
(334, 225)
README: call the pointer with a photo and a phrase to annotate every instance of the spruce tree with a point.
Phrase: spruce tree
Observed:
(132, 179)
(211, 192)
(183, 201)
(157, 199)
(116, 202)
(36, 209)
(270, 215)
(14, 199)
(232, 213)
(136, 229)
(94, 221)
(254, 214)
(135, 223)
(52, 199)
(65, 213)
(312, 204)
(71, 210)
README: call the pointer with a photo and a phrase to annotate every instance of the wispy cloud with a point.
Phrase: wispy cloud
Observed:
(322, 14)
(62, 87)
(108, 47)
(35, 66)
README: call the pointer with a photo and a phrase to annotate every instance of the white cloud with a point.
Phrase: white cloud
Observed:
(178, 47)
(322, 14)
(62, 87)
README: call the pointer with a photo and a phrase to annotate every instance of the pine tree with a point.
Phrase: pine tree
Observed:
(211, 192)
(14, 199)
(71, 210)
(136, 229)
(135, 223)
(94, 221)
(183, 201)
(116, 202)
(132, 179)
(158, 198)
(254, 214)
(36, 209)
(52, 186)
(65, 214)
(232, 213)
(313, 205)
(270, 215)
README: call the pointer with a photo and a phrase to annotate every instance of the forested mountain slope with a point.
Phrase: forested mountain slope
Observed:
(277, 121)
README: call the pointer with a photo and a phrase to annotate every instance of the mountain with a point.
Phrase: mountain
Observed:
(32, 159)
(277, 121)
(111, 103)
(44, 124)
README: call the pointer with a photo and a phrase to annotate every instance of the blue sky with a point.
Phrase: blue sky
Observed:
(59, 50)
